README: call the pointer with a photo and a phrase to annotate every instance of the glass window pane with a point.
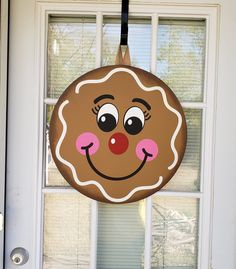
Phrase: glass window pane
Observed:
(71, 51)
(181, 56)
(121, 236)
(175, 232)
(66, 231)
(139, 41)
(187, 177)
(52, 176)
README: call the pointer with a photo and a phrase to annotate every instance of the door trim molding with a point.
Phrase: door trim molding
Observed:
(3, 112)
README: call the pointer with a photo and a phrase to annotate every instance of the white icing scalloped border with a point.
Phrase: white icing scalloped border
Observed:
(92, 182)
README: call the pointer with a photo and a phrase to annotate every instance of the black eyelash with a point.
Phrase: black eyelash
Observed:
(146, 115)
(96, 109)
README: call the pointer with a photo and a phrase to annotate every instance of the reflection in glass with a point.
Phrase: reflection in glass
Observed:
(187, 177)
(121, 236)
(139, 41)
(66, 231)
(174, 232)
(52, 176)
(181, 56)
(71, 51)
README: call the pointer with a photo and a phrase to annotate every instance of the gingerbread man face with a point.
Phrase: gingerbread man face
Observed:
(118, 134)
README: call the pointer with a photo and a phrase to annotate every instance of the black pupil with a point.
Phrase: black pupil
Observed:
(133, 125)
(107, 122)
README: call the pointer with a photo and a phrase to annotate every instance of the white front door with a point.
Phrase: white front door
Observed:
(54, 42)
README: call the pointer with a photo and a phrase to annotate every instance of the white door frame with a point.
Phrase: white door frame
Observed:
(3, 112)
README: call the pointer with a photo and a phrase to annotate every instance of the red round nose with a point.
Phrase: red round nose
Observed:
(118, 143)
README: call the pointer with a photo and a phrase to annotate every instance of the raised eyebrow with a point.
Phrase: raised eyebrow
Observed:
(104, 96)
(139, 100)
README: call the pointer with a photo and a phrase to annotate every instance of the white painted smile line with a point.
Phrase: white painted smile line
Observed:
(154, 88)
(93, 182)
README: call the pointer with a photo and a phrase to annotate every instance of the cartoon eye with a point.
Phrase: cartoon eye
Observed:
(107, 117)
(134, 120)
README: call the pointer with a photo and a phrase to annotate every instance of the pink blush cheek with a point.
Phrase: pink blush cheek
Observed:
(84, 140)
(150, 146)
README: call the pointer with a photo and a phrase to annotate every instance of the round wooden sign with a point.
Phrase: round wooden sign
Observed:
(118, 134)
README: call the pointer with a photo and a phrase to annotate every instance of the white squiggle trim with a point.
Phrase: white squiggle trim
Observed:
(157, 88)
(92, 182)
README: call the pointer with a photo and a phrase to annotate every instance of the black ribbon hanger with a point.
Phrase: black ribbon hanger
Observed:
(123, 58)
(124, 23)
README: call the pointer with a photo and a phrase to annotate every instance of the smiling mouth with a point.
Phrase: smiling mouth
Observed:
(146, 155)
